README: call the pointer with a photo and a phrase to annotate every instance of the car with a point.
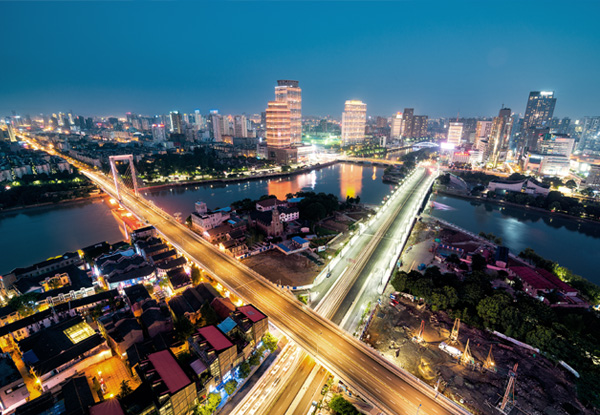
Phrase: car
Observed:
(328, 275)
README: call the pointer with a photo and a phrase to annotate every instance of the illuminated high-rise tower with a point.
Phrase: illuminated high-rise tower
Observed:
(455, 131)
(499, 136)
(289, 92)
(354, 119)
(396, 130)
(539, 111)
(278, 128)
(176, 122)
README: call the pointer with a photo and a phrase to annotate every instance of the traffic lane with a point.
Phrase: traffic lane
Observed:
(313, 393)
(292, 387)
(274, 304)
(380, 256)
(358, 247)
(341, 293)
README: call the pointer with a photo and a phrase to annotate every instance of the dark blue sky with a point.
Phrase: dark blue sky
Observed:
(438, 57)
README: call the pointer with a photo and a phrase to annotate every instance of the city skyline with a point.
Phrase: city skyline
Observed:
(125, 69)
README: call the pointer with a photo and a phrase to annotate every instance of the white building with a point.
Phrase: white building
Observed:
(396, 130)
(354, 120)
(455, 130)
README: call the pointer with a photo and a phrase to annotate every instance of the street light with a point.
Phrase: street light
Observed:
(419, 408)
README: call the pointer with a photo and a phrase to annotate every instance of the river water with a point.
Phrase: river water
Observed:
(32, 235)
(572, 244)
(342, 180)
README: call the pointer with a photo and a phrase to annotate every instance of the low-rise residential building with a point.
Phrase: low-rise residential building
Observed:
(155, 319)
(179, 280)
(289, 214)
(267, 205)
(56, 353)
(120, 332)
(252, 322)
(190, 303)
(267, 222)
(216, 350)
(74, 398)
(13, 391)
(171, 391)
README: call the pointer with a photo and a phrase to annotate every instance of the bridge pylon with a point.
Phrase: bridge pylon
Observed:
(116, 175)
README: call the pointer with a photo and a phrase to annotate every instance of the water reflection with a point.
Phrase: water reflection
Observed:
(351, 177)
(572, 243)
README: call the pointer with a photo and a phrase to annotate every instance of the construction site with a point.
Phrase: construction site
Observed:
(486, 374)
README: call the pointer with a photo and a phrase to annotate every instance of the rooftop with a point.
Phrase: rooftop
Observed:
(250, 312)
(215, 338)
(169, 370)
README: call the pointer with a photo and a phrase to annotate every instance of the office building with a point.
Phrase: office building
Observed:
(500, 136)
(216, 126)
(538, 113)
(396, 131)
(289, 92)
(240, 126)
(278, 124)
(158, 132)
(482, 131)
(593, 178)
(556, 144)
(455, 130)
(590, 132)
(413, 126)
(353, 122)
(176, 122)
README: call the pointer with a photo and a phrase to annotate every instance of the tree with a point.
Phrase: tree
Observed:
(196, 275)
(183, 328)
(341, 406)
(244, 370)
(125, 389)
(445, 179)
(490, 309)
(211, 404)
(270, 342)
(571, 184)
(231, 386)
(479, 263)
(254, 360)
(209, 316)
(25, 304)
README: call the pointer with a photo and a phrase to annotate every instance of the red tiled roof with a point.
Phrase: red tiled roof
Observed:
(215, 337)
(251, 313)
(108, 407)
(169, 370)
(535, 280)
(223, 307)
(560, 284)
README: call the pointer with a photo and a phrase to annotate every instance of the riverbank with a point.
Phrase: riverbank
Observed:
(516, 205)
(65, 202)
(239, 179)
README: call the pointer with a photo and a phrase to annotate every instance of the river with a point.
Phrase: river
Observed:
(571, 243)
(32, 235)
(343, 179)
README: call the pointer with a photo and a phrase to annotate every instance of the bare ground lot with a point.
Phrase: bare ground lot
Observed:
(295, 269)
(541, 388)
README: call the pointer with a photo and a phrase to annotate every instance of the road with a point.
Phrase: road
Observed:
(371, 375)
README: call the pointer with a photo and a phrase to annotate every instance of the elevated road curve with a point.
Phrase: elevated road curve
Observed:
(376, 379)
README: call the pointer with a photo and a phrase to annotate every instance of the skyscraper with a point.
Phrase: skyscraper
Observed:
(289, 92)
(396, 131)
(482, 131)
(455, 130)
(590, 132)
(176, 122)
(158, 132)
(278, 128)
(539, 112)
(240, 126)
(499, 136)
(353, 122)
(419, 126)
(407, 122)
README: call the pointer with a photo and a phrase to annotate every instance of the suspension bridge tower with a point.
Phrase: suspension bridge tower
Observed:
(117, 177)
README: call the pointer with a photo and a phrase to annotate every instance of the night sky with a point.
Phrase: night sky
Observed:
(438, 57)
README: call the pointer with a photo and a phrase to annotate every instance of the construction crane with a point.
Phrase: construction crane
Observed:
(455, 329)
(508, 400)
(466, 358)
(489, 363)
(419, 337)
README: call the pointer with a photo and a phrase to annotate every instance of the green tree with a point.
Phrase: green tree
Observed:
(25, 304)
(124, 389)
(183, 328)
(254, 359)
(479, 263)
(571, 184)
(270, 342)
(211, 404)
(230, 386)
(341, 406)
(244, 369)
(490, 309)
(196, 275)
